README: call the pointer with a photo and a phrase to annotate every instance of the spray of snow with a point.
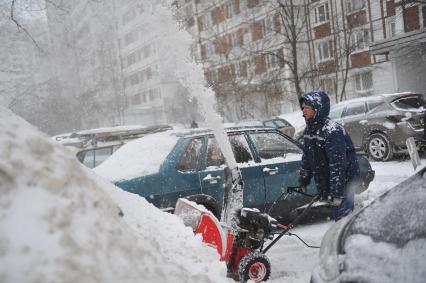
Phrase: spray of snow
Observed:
(175, 46)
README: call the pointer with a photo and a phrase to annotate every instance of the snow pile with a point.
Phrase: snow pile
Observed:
(59, 223)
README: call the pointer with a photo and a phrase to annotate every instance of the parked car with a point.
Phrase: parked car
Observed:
(291, 124)
(165, 166)
(93, 146)
(380, 124)
(244, 123)
(383, 242)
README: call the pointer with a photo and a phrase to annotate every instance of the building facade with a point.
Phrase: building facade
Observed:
(247, 42)
(140, 65)
(405, 44)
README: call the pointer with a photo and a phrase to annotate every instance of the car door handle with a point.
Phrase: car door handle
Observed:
(270, 171)
(211, 179)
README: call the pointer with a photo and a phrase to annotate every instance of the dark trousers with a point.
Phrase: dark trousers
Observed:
(347, 206)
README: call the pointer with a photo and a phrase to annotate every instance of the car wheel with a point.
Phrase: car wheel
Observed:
(255, 267)
(379, 147)
(208, 202)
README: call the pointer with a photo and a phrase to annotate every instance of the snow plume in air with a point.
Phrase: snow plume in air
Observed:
(175, 48)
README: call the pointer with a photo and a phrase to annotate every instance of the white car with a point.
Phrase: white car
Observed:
(94, 146)
(383, 242)
(292, 124)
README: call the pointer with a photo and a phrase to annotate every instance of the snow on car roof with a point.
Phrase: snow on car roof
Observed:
(62, 223)
(111, 129)
(140, 157)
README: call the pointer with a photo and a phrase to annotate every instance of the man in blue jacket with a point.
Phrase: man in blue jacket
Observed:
(328, 155)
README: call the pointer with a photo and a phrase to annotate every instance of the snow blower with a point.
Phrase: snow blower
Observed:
(240, 236)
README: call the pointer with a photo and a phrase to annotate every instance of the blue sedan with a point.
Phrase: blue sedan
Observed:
(165, 166)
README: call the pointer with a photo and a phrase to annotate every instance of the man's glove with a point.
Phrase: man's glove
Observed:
(335, 201)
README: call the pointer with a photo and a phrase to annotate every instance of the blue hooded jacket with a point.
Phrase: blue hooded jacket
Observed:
(328, 152)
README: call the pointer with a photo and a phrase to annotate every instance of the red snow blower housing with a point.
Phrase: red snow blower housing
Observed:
(240, 250)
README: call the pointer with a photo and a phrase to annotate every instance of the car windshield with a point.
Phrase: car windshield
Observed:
(274, 145)
(414, 102)
(390, 218)
(282, 123)
(336, 112)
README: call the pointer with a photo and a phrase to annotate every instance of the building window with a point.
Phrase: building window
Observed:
(355, 5)
(257, 30)
(364, 82)
(327, 85)
(391, 27)
(270, 24)
(359, 40)
(322, 13)
(325, 50)
(234, 7)
(252, 3)
(272, 61)
(242, 69)
(238, 37)
(424, 14)
(209, 48)
(275, 59)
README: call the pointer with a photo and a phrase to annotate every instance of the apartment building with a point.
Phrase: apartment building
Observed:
(244, 42)
(342, 32)
(404, 44)
(154, 94)
(139, 65)
(86, 54)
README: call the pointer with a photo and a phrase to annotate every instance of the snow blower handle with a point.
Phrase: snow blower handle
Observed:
(293, 223)
(299, 190)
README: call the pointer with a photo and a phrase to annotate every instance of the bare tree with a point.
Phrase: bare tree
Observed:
(293, 32)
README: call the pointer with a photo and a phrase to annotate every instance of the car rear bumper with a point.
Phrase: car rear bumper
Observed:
(402, 133)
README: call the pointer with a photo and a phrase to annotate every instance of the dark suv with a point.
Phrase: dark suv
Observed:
(381, 124)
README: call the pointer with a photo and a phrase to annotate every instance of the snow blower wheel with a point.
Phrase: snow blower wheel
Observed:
(254, 266)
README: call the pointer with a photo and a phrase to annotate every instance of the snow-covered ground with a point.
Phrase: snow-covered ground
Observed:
(292, 261)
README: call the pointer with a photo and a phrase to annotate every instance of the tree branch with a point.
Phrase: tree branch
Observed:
(12, 17)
